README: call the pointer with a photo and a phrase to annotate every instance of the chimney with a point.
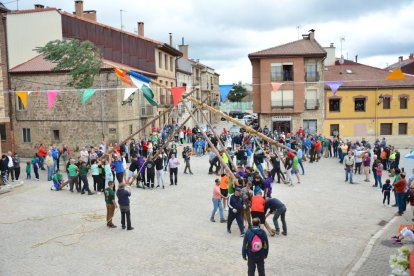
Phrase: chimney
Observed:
(400, 59)
(141, 28)
(38, 7)
(91, 15)
(411, 56)
(79, 8)
(170, 39)
(183, 49)
(330, 55)
(312, 34)
(356, 59)
(331, 45)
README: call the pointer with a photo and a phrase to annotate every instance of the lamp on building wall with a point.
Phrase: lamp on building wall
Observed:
(127, 101)
(380, 99)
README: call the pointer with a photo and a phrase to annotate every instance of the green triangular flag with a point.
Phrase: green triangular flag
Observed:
(149, 95)
(87, 94)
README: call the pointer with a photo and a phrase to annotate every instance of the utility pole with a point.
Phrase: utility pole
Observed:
(298, 29)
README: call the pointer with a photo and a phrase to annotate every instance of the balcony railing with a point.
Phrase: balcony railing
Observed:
(282, 104)
(312, 76)
(147, 111)
(311, 104)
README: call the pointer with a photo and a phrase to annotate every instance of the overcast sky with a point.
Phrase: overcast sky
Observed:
(221, 33)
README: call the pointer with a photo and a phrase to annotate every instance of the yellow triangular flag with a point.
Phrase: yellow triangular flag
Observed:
(397, 74)
(23, 97)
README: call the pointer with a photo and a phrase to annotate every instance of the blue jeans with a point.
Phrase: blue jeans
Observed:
(378, 180)
(348, 172)
(217, 204)
(301, 165)
(341, 157)
(401, 202)
(199, 151)
(49, 172)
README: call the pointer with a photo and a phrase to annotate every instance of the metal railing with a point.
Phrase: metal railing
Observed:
(147, 111)
(312, 104)
(283, 103)
(312, 76)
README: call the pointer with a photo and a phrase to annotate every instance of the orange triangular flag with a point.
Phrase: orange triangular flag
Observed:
(397, 74)
(276, 85)
(23, 97)
(123, 76)
(177, 93)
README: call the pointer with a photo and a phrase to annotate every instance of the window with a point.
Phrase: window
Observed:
(159, 59)
(360, 104)
(56, 135)
(310, 126)
(281, 72)
(402, 128)
(3, 132)
(386, 103)
(334, 128)
(171, 64)
(166, 61)
(282, 98)
(27, 138)
(19, 102)
(311, 99)
(311, 73)
(334, 105)
(130, 129)
(403, 102)
(386, 129)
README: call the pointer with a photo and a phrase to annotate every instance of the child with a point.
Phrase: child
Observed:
(57, 180)
(268, 185)
(386, 190)
(28, 170)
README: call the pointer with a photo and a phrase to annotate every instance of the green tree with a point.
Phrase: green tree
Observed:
(237, 93)
(81, 58)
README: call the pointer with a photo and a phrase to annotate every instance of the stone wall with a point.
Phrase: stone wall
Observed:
(103, 117)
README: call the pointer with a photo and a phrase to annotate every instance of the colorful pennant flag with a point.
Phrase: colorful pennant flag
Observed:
(224, 91)
(51, 97)
(23, 97)
(87, 94)
(177, 93)
(128, 92)
(397, 74)
(122, 75)
(139, 77)
(334, 85)
(149, 95)
(276, 86)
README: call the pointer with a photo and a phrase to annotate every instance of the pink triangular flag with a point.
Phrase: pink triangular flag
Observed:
(177, 93)
(334, 85)
(51, 97)
(276, 85)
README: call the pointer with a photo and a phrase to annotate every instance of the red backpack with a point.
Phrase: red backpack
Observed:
(257, 244)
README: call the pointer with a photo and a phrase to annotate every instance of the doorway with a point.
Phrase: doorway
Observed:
(334, 130)
(281, 126)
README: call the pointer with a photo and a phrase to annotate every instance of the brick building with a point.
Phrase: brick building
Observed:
(299, 65)
(6, 132)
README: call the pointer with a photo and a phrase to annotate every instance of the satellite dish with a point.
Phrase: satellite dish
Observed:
(342, 60)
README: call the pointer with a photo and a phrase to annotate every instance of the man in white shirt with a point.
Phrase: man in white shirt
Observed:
(10, 165)
(173, 165)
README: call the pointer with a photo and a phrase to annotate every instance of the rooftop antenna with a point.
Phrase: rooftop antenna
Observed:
(298, 30)
(122, 37)
(342, 56)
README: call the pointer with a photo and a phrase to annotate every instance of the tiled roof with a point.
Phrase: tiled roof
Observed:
(356, 75)
(302, 47)
(38, 65)
(401, 64)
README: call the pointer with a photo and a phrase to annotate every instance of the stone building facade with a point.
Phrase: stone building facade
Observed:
(104, 117)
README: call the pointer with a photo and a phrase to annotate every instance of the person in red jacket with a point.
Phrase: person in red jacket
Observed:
(258, 207)
(41, 152)
(318, 147)
(400, 187)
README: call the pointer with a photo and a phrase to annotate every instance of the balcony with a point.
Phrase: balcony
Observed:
(311, 104)
(282, 104)
(312, 76)
(147, 111)
(165, 100)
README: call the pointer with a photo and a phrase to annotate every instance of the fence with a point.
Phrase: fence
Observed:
(237, 106)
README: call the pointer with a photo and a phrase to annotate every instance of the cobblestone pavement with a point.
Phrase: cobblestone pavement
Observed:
(329, 224)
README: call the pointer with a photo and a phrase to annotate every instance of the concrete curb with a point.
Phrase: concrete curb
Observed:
(367, 251)
(8, 188)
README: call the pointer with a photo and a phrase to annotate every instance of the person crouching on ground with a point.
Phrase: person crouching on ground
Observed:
(57, 180)
(255, 248)
(110, 204)
(123, 193)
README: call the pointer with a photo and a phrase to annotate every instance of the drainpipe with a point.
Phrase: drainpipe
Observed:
(11, 106)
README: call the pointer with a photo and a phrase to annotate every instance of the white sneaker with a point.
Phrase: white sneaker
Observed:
(389, 206)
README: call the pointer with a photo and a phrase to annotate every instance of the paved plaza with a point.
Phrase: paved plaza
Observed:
(329, 222)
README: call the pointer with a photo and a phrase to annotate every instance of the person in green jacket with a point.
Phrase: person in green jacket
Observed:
(83, 173)
(57, 180)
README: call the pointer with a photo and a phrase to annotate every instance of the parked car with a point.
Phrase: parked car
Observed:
(222, 118)
(236, 114)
